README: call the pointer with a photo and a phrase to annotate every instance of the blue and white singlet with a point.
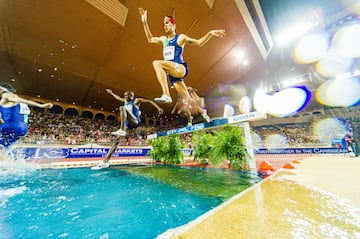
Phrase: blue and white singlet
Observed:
(15, 123)
(173, 52)
(130, 106)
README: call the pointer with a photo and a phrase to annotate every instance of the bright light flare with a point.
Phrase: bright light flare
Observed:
(257, 140)
(284, 103)
(311, 48)
(347, 40)
(341, 92)
(331, 128)
(245, 105)
(262, 101)
(229, 110)
(295, 31)
(276, 141)
(333, 63)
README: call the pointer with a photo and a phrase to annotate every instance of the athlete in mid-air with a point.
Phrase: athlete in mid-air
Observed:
(173, 63)
(193, 108)
(129, 117)
(14, 113)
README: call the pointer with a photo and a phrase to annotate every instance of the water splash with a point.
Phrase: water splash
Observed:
(14, 161)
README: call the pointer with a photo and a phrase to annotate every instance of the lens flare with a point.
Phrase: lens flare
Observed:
(245, 104)
(331, 128)
(333, 63)
(347, 40)
(311, 48)
(229, 110)
(257, 140)
(339, 92)
(276, 141)
(284, 103)
(262, 101)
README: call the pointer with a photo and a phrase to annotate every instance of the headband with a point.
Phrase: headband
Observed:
(171, 19)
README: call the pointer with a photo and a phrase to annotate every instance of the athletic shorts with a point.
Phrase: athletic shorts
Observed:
(174, 79)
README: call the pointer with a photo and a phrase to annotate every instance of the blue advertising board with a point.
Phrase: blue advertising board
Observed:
(301, 151)
(58, 153)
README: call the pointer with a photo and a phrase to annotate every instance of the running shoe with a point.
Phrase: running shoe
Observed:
(100, 166)
(164, 99)
(119, 132)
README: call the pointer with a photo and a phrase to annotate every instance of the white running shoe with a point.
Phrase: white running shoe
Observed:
(100, 166)
(164, 99)
(119, 132)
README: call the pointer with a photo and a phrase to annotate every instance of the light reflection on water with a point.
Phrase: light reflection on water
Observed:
(309, 213)
(280, 208)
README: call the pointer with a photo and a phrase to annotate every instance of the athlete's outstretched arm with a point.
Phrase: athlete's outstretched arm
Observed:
(149, 36)
(202, 41)
(142, 100)
(109, 91)
(9, 97)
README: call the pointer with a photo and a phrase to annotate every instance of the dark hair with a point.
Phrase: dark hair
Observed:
(8, 86)
(131, 93)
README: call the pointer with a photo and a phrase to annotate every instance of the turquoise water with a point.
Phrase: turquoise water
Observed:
(128, 202)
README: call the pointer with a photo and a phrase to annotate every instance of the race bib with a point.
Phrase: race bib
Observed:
(169, 53)
(24, 109)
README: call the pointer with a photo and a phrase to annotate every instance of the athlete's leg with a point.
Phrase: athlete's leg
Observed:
(196, 108)
(161, 76)
(112, 149)
(162, 68)
(355, 148)
(189, 117)
(187, 100)
(181, 88)
(123, 118)
(184, 111)
(105, 162)
(203, 113)
(132, 120)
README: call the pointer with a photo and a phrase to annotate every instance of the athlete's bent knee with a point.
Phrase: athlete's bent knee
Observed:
(157, 63)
